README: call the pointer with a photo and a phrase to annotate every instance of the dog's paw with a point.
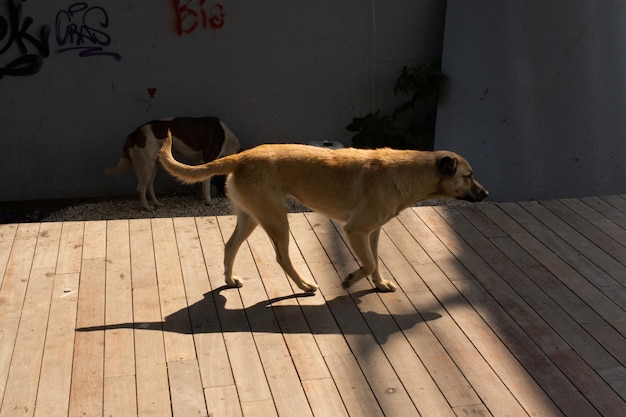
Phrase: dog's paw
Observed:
(234, 282)
(385, 286)
(309, 287)
(347, 282)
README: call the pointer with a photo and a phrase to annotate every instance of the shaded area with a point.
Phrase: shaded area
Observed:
(201, 317)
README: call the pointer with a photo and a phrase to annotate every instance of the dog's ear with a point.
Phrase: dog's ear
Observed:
(446, 166)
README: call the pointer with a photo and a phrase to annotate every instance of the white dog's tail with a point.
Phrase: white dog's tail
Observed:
(189, 174)
(122, 167)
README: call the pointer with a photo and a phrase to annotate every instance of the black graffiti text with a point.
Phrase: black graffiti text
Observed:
(14, 32)
(83, 28)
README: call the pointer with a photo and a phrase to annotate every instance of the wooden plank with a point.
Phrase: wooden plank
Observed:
(223, 401)
(261, 408)
(589, 383)
(249, 375)
(394, 260)
(553, 306)
(142, 252)
(616, 378)
(120, 396)
(555, 283)
(353, 387)
(578, 233)
(209, 342)
(490, 313)
(492, 390)
(177, 327)
(406, 244)
(617, 202)
(212, 243)
(585, 283)
(283, 380)
(505, 311)
(86, 390)
(387, 311)
(606, 209)
(153, 396)
(70, 248)
(350, 382)
(47, 251)
(119, 358)
(7, 237)
(95, 246)
(424, 392)
(56, 367)
(592, 229)
(573, 403)
(442, 369)
(306, 356)
(380, 374)
(88, 368)
(482, 377)
(12, 294)
(246, 365)
(251, 384)
(323, 398)
(585, 257)
(186, 389)
(23, 379)
(617, 233)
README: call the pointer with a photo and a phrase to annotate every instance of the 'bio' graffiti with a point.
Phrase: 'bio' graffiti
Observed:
(15, 32)
(192, 14)
(82, 28)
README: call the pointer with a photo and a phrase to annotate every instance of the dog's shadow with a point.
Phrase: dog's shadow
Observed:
(210, 315)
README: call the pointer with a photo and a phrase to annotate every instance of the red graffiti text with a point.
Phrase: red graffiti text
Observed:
(195, 14)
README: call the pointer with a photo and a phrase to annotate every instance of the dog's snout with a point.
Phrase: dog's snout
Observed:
(480, 192)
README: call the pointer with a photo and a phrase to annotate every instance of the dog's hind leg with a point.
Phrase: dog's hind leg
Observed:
(145, 168)
(145, 183)
(276, 225)
(245, 226)
(151, 193)
(206, 190)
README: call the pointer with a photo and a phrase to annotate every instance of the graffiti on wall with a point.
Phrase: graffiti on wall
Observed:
(24, 50)
(83, 28)
(196, 14)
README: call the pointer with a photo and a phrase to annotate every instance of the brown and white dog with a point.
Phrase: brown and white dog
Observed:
(202, 139)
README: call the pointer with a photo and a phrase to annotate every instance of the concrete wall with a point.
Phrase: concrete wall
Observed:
(536, 95)
(280, 71)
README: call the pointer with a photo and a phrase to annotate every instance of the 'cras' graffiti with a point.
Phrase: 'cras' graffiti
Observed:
(14, 31)
(82, 28)
(191, 14)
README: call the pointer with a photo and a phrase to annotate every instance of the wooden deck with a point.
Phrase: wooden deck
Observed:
(503, 309)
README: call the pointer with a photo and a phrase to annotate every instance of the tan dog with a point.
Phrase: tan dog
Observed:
(363, 188)
(202, 139)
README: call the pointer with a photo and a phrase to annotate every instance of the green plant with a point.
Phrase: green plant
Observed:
(416, 116)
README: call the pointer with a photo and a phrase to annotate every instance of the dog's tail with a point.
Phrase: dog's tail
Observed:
(122, 167)
(189, 174)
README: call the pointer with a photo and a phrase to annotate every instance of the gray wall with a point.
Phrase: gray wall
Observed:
(536, 97)
(280, 71)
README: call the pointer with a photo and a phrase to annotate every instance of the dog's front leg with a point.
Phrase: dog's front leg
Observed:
(381, 284)
(365, 246)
